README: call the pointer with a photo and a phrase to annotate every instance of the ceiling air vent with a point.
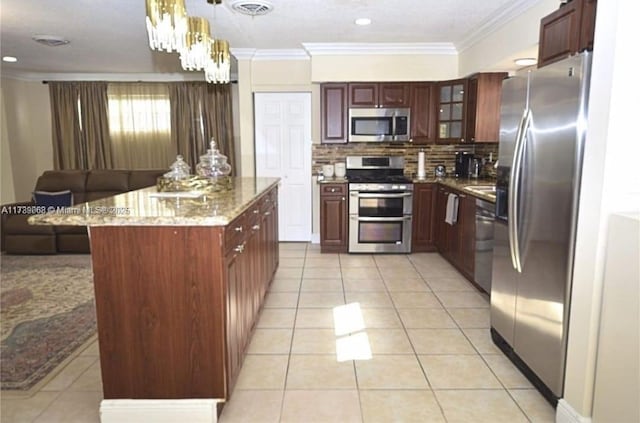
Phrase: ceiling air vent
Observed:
(252, 8)
(50, 40)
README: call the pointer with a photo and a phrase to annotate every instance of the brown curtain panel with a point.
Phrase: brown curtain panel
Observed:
(200, 111)
(68, 149)
(80, 127)
(94, 106)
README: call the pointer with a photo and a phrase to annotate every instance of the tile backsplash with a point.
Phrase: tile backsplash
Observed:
(434, 155)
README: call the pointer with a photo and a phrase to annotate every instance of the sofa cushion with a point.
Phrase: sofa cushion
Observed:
(60, 180)
(17, 224)
(68, 229)
(30, 244)
(144, 178)
(97, 195)
(53, 199)
(108, 180)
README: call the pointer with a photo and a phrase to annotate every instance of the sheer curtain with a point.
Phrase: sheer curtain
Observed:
(200, 111)
(80, 125)
(140, 125)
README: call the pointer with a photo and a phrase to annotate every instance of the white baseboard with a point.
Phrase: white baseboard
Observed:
(315, 238)
(159, 411)
(566, 414)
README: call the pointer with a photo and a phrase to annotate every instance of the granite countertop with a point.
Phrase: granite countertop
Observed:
(143, 208)
(333, 180)
(462, 184)
(466, 185)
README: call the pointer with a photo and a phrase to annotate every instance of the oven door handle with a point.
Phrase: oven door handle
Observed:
(381, 219)
(399, 195)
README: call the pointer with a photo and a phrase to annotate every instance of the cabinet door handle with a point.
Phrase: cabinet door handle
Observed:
(255, 227)
(239, 248)
(333, 190)
(342, 198)
(256, 211)
(238, 228)
(267, 213)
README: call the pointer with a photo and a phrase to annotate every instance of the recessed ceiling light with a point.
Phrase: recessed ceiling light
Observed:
(50, 40)
(527, 61)
(363, 21)
(9, 59)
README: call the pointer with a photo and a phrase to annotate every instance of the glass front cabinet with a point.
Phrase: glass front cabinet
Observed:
(451, 111)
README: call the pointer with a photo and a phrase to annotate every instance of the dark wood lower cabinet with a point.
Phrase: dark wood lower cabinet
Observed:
(424, 209)
(456, 242)
(176, 305)
(334, 235)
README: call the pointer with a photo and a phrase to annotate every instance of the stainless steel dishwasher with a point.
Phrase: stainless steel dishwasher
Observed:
(485, 214)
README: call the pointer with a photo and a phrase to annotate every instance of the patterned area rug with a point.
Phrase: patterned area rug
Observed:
(47, 311)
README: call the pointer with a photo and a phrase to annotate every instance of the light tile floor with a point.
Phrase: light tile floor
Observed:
(427, 328)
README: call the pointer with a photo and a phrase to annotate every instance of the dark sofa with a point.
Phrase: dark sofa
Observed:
(18, 237)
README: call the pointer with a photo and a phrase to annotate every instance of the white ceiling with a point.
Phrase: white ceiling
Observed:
(110, 36)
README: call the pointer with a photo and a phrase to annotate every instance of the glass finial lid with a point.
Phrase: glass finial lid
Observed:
(179, 169)
(213, 164)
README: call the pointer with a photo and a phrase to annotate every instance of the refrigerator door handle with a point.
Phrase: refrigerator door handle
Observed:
(514, 190)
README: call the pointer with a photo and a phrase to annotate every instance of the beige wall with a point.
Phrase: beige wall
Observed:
(8, 194)
(517, 38)
(401, 67)
(609, 185)
(28, 128)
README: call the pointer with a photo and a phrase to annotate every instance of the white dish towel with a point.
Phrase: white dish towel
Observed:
(451, 216)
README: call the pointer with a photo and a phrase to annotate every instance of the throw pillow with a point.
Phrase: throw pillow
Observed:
(53, 199)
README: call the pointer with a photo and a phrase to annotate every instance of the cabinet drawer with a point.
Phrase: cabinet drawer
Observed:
(235, 232)
(267, 203)
(333, 189)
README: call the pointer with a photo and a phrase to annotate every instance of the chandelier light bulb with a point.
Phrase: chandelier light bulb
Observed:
(218, 69)
(166, 24)
(197, 44)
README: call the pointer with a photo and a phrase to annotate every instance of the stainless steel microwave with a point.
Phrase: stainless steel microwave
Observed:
(378, 125)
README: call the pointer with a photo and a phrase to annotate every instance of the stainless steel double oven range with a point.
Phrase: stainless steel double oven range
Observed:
(380, 205)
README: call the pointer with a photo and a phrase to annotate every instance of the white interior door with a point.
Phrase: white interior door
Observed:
(283, 150)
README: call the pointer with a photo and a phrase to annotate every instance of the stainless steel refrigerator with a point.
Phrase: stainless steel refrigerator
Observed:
(542, 135)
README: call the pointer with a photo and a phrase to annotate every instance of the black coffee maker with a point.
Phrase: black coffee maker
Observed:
(463, 164)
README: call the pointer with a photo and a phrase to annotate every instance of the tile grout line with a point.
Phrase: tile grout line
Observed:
(504, 388)
(293, 334)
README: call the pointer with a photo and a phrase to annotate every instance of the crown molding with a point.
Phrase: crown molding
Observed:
(344, 49)
(281, 54)
(494, 22)
(269, 54)
(243, 53)
(114, 77)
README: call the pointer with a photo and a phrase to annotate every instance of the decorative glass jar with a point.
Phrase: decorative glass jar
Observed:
(179, 170)
(213, 164)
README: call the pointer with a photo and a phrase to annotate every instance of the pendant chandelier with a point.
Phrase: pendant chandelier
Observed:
(218, 67)
(166, 24)
(170, 29)
(197, 44)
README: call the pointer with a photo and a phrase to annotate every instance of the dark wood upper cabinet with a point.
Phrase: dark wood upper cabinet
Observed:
(363, 95)
(423, 113)
(374, 94)
(588, 24)
(484, 91)
(394, 94)
(334, 105)
(451, 111)
(566, 31)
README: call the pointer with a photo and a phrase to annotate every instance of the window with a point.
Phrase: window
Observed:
(140, 125)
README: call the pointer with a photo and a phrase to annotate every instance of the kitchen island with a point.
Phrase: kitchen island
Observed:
(179, 282)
